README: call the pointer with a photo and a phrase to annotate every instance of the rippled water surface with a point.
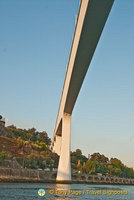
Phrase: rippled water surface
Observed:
(66, 191)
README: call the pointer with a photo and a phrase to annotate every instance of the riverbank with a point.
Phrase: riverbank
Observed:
(11, 175)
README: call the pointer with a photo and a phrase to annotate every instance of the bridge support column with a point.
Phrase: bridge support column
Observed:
(57, 146)
(64, 167)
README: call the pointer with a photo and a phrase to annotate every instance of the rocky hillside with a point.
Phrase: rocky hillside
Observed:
(5, 132)
(29, 147)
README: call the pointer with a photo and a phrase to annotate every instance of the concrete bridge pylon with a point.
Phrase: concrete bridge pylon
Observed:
(91, 20)
(64, 168)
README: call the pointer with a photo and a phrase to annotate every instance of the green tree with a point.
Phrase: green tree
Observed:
(76, 156)
(43, 137)
(115, 161)
(100, 158)
(32, 134)
(90, 167)
(78, 152)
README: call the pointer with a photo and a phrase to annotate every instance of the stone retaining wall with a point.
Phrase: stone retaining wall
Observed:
(29, 175)
(102, 179)
(26, 174)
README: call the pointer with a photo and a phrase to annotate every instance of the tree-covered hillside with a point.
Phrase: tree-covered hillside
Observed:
(31, 149)
(99, 164)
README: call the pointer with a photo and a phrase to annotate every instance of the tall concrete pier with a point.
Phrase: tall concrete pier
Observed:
(91, 19)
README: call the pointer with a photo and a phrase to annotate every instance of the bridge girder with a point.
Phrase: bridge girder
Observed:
(91, 19)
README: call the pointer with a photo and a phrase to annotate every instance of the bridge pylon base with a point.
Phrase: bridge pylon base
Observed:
(64, 167)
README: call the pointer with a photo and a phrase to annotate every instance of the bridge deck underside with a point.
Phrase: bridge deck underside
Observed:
(94, 20)
(96, 15)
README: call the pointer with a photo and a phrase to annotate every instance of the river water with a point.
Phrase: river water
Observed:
(66, 192)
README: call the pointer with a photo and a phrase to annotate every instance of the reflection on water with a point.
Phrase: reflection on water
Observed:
(66, 192)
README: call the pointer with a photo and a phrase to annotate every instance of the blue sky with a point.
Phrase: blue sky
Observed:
(36, 38)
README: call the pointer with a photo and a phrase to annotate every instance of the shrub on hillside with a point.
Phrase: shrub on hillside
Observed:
(3, 156)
